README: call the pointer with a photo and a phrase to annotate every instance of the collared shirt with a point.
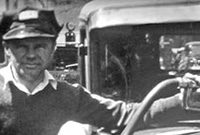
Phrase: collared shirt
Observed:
(10, 76)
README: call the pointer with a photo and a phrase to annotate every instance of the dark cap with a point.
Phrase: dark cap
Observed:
(32, 22)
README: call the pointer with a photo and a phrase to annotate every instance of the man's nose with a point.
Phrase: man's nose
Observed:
(31, 54)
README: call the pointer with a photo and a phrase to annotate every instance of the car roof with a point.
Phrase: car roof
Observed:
(193, 43)
(103, 13)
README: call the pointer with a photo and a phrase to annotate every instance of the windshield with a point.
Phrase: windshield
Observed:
(129, 60)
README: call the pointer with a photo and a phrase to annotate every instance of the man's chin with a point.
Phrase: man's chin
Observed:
(30, 73)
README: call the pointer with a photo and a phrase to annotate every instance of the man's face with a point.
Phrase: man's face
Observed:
(31, 56)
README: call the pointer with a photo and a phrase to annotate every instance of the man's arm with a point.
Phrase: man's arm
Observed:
(164, 110)
(103, 112)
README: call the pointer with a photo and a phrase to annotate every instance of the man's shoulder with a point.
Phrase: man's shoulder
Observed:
(71, 89)
(2, 77)
(4, 70)
(3, 74)
(64, 85)
(5, 95)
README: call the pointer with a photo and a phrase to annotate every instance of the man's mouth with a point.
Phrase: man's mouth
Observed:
(31, 66)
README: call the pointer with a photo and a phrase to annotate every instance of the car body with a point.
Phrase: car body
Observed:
(127, 47)
(137, 38)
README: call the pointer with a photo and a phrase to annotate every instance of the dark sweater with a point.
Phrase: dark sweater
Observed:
(42, 113)
(45, 112)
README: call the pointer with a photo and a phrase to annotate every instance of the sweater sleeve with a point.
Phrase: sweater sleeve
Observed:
(103, 112)
(163, 110)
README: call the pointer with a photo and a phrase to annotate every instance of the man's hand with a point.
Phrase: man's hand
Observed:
(189, 80)
(190, 76)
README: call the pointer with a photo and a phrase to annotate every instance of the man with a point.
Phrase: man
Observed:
(32, 102)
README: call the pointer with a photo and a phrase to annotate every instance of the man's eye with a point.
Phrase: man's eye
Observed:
(20, 47)
(40, 46)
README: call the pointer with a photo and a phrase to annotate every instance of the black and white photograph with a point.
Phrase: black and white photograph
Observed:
(99, 67)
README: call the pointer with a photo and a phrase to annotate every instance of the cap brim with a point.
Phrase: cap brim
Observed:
(28, 32)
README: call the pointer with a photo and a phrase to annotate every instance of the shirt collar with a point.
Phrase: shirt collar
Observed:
(48, 76)
(9, 74)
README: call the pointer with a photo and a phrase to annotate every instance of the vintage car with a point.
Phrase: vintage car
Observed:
(126, 50)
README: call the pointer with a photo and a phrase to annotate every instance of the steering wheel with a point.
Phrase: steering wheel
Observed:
(145, 105)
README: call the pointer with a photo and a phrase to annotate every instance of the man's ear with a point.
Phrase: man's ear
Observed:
(5, 44)
(6, 48)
